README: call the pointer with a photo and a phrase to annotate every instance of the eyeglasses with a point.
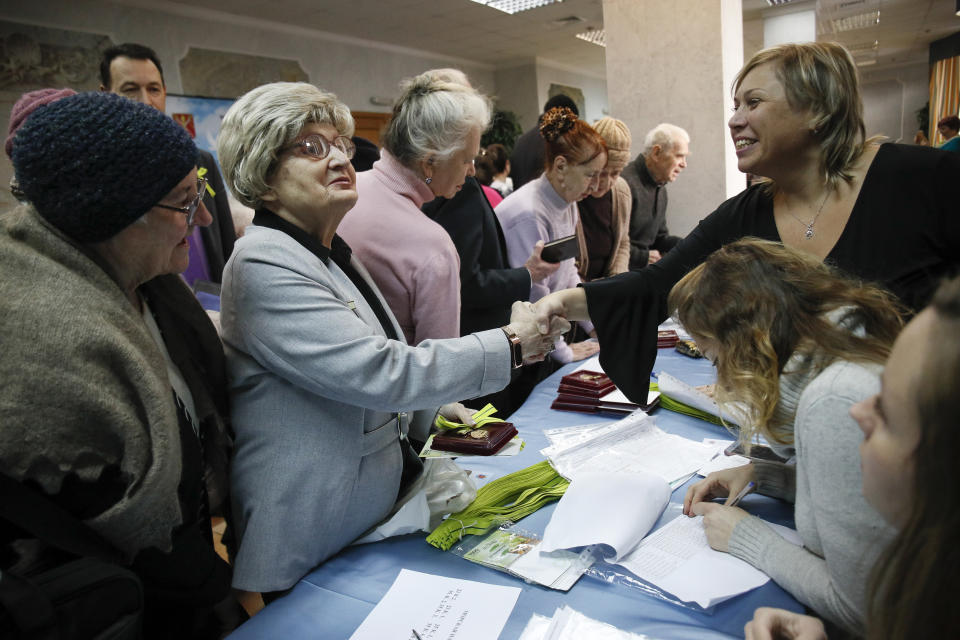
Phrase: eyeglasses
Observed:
(190, 209)
(319, 147)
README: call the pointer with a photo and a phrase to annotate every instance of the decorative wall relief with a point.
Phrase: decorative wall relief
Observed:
(218, 74)
(573, 93)
(33, 57)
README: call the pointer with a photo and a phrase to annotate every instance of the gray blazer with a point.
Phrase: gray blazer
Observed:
(315, 388)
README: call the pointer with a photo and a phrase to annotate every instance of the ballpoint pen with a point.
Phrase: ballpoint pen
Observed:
(416, 635)
(743, 492)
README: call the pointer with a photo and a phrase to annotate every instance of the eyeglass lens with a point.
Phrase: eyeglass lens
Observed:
(195, 204)
(319, 147)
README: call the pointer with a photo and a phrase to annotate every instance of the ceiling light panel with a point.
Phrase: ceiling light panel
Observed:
(515, 6)
(857, 21)
(596, 36)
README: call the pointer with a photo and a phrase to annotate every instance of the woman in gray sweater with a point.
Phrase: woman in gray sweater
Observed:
(795, 345)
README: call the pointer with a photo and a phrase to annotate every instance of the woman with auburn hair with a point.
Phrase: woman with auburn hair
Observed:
(883, 213)
(908, 457)
(795, 346)
(545, 209)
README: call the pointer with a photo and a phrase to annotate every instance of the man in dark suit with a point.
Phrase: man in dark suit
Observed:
(488, 286)
(526, 161)
(134, 71)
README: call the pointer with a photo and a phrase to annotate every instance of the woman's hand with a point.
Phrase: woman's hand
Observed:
(719, 522)
(778, 624)
(456, 412)
(537, 266)
(566, 303)
(533, 342)
(585, 349)
(718, 484)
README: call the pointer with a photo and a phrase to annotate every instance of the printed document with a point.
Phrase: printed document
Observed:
(631, 445)
(439, 608)
(612, 509)
(678, 559)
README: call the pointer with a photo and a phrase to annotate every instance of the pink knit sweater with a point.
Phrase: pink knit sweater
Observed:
(410, 257)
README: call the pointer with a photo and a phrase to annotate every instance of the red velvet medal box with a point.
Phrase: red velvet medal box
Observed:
(582, 404)
(483, 441)
(587, 383)
(667, 338)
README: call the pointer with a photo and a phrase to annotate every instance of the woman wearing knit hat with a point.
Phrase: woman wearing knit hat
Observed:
(113, 403)
(22, 108)
(605, 215)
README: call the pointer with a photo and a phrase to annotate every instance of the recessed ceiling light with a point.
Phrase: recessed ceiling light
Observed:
(596, 36)
(515, 6)
(777, 3)
(867, 63)
(857, 21)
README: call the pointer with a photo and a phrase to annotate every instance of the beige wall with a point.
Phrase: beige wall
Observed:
(354, 70)
(891, 99)
(673, 62)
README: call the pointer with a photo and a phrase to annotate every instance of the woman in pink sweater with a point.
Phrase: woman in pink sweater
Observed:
(428, 151)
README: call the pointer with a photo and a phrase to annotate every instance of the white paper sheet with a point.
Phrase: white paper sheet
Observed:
(569, 624)
(678, 559)
(612, 509)
(633, 444)
(439, 608)
(566, 435)
(682, 392)
(722, 462)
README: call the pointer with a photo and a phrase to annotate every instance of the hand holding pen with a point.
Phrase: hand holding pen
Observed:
(743, 492)
(731, 484)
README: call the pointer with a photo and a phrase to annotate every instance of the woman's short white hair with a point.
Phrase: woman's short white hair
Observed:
(433, 117)
(664, 135)
(263, 121)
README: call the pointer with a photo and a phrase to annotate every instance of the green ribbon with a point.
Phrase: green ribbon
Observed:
(676, 406)
(482, 418)
(511, 497)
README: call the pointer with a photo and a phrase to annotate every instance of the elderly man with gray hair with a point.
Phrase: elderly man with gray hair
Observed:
(664, 156)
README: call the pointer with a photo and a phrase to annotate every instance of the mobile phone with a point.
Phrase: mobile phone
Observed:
(561, 249)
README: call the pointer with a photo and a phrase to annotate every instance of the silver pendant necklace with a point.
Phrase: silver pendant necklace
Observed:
(808, 234)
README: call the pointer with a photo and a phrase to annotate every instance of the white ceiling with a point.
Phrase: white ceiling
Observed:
(470, 31)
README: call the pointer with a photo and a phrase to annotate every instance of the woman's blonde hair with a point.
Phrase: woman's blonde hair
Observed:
(821, 77)
(265, 120)
(760, 303)
(433, 117)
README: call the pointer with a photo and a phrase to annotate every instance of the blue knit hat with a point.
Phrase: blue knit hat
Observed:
(93, 163)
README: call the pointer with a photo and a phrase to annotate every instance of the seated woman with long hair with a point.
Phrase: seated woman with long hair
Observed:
(795, 346)
(908, 457)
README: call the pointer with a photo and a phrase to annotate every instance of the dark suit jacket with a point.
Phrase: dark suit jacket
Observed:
(218, 238)
(526, 161)
(488, 286)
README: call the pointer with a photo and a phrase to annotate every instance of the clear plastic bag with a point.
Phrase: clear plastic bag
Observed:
(515, 551)
(615, 574)
(448, 488)
(441, 489)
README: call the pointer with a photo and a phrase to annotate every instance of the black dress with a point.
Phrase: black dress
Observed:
(903, 234)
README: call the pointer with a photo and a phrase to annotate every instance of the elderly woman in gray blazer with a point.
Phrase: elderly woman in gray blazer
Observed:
(321, 377)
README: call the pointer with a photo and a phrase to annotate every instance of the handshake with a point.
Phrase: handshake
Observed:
(538, 327)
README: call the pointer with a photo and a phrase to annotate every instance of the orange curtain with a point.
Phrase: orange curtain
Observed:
(944, 94)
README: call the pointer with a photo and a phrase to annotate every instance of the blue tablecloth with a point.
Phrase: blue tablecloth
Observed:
(334, 599)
